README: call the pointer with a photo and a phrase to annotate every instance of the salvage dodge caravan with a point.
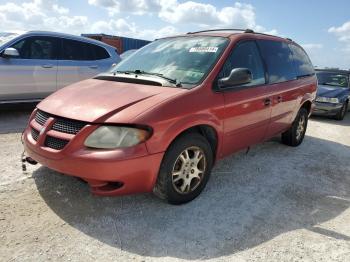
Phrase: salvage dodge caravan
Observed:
(162, 117)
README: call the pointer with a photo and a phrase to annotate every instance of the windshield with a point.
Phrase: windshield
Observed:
(186, 60)
(333, 79)
(6, 37)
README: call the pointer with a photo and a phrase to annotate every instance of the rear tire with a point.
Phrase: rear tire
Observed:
(294, 136)
(185, 169)
(341, 114)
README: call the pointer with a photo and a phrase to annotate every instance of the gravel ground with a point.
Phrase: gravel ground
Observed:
(275, 204)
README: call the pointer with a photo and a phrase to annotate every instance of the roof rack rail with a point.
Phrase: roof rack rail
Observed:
(223, 29)
(272, 35)
(248, 31)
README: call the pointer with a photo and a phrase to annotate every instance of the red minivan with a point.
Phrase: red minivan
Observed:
(162, 117)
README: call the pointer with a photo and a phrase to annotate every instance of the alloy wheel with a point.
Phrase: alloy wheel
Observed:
(188, 170)
(301, 127)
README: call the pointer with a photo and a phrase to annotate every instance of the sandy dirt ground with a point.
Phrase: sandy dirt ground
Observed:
(275, 204)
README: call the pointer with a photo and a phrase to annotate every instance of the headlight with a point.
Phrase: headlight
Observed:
(110, 137)
(332, 100)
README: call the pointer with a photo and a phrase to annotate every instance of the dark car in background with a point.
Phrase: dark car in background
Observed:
(333, 93)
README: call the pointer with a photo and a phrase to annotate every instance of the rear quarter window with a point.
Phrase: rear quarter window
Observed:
(279, 60)
(303, 65)
(100, 53)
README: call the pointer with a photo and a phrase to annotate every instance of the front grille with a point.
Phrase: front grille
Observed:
(35, 134)
(61, 124)
(68, 126)
(55, 143)
(41, 117)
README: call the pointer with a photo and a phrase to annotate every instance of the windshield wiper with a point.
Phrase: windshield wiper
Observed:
(141, 72)
(124, 72)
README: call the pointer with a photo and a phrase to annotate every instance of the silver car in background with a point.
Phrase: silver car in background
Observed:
(35, 64)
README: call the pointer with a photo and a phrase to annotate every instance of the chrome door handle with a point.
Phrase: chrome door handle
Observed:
(93, 66)
(47, 66)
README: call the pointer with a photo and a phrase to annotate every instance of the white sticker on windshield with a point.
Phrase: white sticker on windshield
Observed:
(204, 49)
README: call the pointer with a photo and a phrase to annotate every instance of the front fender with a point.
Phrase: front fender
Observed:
(305, 99)
(163, 139)
(344, 98)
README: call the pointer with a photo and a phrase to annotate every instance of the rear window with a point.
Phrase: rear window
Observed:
(279, 60)
(303, 65)
(81, 51)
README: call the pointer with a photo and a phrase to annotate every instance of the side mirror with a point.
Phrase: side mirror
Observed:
(10, 52)
(238, 76)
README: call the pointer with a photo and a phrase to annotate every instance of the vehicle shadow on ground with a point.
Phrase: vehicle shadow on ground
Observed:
(250, 199)
(14, 118)
(330, 120)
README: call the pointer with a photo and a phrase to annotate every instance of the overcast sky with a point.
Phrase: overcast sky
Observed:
(322, 27)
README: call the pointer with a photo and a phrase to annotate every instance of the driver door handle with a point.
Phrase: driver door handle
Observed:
(47, 66)
(267, 101)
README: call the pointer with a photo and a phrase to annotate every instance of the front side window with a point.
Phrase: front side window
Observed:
(302, 62)
(333, 79)
(36, 48)
(185, 59)
(279, 60)
(245, 55)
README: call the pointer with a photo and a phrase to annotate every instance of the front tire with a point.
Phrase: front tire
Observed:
(185, 169)
(295, 135)
(341, 114)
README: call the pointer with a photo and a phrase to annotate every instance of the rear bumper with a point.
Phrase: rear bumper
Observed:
(326, 109)
(135, 170)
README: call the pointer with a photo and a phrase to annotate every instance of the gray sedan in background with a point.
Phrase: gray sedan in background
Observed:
(35, 64)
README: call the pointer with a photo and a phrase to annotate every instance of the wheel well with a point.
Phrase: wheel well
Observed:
(208, 132)
(307, 106)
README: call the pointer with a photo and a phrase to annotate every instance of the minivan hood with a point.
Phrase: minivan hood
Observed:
(329, 91)
(97, 100)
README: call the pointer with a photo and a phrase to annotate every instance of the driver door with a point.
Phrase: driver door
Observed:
(247, 107)
(31, 75)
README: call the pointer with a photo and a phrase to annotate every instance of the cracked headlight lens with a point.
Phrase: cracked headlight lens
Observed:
(111, 137)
